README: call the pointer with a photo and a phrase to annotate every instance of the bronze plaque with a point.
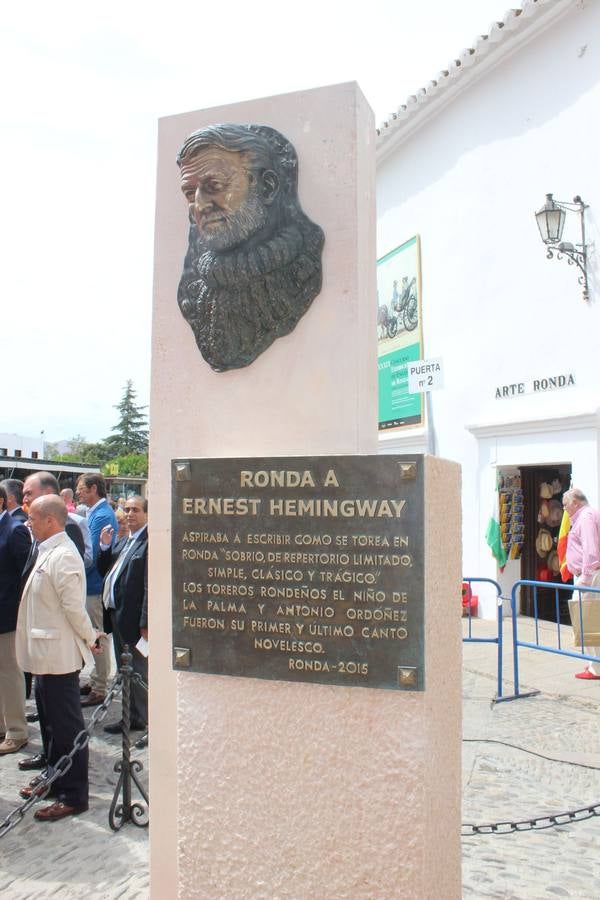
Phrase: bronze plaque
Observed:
(300, 569)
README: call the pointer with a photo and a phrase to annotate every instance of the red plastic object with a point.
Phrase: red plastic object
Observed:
(470, 601)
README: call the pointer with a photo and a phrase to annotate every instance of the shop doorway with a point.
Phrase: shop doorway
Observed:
(543, 489)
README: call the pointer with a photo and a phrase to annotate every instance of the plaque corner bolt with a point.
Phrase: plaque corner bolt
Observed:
(408, 470)
(407, 676)
(183, 472)
(182, 657)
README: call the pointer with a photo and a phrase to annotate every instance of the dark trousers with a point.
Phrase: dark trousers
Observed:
(139, 697)
(59, 708)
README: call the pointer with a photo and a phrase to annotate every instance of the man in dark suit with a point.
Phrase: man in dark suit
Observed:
(125, 599)
(15, 543)
(14, 490)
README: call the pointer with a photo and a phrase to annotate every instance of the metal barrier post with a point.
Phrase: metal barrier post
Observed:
(499, 625)
(513, 609)
(120, 813)
(558, 650)
(515, 641)
(500, 602)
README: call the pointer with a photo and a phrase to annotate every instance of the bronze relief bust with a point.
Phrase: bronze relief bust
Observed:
(253, 263)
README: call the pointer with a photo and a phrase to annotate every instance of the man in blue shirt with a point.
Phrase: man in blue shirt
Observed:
(91, 490)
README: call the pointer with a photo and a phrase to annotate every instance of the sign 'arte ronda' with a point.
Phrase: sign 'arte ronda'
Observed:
(253, 264)
(300, 569)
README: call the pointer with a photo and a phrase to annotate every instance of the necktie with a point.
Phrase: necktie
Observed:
(31, 558)
(109, 582)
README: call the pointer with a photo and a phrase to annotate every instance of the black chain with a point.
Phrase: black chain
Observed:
(143, 740)
(63, 765)
(135, 676)
(538, 824)
(65, 762)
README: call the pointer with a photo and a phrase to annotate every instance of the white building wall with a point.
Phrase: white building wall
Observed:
(494, 308)
(26, 445)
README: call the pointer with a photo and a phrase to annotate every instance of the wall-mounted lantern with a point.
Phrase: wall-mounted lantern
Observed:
(551, 221)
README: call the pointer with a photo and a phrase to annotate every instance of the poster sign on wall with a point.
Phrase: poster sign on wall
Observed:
(399, 334)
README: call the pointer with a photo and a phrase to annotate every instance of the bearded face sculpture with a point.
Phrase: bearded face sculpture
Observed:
(253, 264)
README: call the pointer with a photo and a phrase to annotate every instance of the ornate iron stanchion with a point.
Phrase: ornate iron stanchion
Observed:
(120, 813)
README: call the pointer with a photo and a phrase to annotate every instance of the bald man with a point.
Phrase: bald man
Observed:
(55, 637)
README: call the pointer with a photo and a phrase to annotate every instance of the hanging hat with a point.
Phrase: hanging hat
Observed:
(553, 562)
(556, 486)
(555, 513)
(544, 511)
(543, 542)
(546, 491)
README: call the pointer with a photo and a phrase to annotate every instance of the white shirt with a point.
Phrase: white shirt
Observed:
(108, 591)
(48, 544)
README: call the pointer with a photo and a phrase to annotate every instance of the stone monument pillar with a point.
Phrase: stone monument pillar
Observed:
(260, 786)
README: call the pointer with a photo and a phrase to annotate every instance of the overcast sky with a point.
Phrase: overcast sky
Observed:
(82, 88)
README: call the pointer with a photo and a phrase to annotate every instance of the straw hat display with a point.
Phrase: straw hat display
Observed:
(546, 491)
(543, 542)
(555, 513)
(543, 512)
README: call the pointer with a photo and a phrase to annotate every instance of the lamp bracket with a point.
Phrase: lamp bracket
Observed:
(574, 256)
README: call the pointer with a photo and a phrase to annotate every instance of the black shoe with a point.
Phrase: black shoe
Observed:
(85, 689)
(32, 762)
(32, 717)
(117, 727)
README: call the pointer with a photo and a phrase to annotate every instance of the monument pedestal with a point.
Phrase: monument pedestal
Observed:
(270, 788)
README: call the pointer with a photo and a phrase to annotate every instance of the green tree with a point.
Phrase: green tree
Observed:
(51, 450)
(93, 454)
(130, 434)
(130, 464)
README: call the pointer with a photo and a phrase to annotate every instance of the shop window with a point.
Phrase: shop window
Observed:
(543, 488)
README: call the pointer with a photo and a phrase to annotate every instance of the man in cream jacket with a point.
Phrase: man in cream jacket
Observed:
(54, 639)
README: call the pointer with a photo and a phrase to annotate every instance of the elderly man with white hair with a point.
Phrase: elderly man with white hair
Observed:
(583, 560)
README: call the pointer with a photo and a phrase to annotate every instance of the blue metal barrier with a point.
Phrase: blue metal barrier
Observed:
(486, 640)
(584, 589)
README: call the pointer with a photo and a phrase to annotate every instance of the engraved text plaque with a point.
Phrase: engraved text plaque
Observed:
(300, 569)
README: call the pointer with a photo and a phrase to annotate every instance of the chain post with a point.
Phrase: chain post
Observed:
(126, 811)
(63, 764)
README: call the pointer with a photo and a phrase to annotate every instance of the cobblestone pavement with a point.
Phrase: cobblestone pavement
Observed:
(501, 783)
(82, 857)
(77, 857)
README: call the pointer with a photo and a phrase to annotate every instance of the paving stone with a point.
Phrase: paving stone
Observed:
(76, 857)
(82, 857)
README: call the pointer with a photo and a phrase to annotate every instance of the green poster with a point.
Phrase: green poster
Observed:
(399, 334)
